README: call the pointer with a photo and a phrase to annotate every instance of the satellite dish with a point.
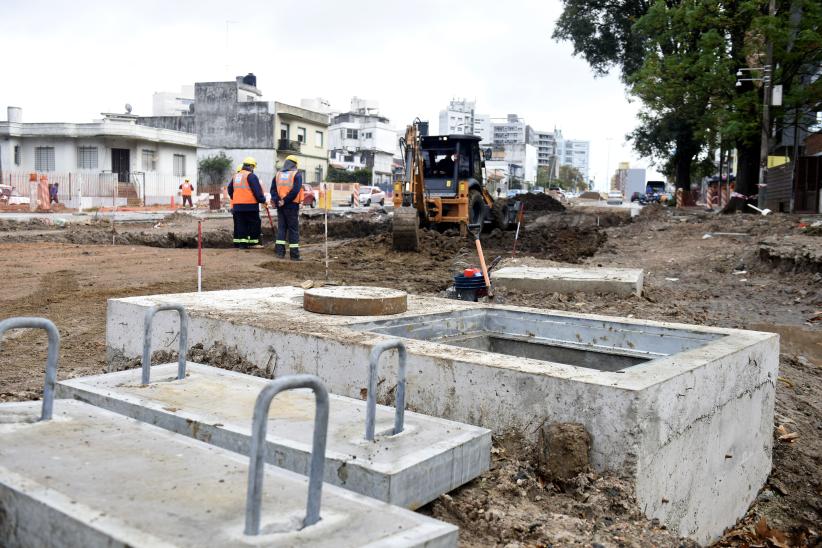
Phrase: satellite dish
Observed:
(128, 108)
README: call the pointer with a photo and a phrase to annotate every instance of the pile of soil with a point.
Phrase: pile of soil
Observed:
(540, 202)
(566, 244)
(651, 212)
(514, 504)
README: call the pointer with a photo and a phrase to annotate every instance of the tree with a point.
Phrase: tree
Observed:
(543, 176)
(362, 176)
(214, 170)
(571, 179)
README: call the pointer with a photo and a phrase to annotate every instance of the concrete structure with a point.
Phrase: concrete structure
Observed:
(460, 118)
(629, 180)
(429, 458)
(575, 153)
(361, 138)
(510, 131)
(355, 301)
(90, 159)
(549, 144)
(303, 133)
(545, 279)
(90, 477)
(232, 118)
(685, 411)
(173, 103)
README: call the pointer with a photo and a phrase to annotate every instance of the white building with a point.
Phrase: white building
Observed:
(458, 118)
(548, 145)
(102, 160)
(575, 153)
(362, 139)
(509, 131)
(173, 103)
(482, 129)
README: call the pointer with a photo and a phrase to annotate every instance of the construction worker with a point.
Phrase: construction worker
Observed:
(287, 187)
(246, 196)
(187, 189)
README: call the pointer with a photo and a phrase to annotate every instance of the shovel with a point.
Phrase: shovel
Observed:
(762, 211)
(476, 235)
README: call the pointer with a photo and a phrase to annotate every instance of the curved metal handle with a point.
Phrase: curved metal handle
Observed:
(51, 363)
(181, 358)
(371, 405)
(258, 431)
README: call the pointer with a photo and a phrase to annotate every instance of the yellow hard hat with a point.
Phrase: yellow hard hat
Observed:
(249, 161)
(293, 159)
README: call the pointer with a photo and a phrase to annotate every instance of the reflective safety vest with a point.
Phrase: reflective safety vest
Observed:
(242, 190)
(285, 182)
(187, 188)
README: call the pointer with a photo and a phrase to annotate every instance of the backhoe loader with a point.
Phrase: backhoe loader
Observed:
(443, 186)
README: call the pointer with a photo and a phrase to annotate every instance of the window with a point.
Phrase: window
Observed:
(149, 160)
(86, 157)
(368, 135)
(318, 139)
(284, 131)
(301, 135)
(179, 165)
(348, 158)
(351, 134)
(44, 159)
(17, 155)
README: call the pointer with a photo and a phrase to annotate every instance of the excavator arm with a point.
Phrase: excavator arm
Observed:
(410, 204)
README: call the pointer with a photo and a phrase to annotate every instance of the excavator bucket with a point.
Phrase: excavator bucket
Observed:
(406, 224)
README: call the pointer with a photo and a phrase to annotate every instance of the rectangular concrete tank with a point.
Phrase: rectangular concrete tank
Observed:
(684, 410)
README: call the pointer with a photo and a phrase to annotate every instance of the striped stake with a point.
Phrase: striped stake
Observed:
(520, 216)
(199, 256)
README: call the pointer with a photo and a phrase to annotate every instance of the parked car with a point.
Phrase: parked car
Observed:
(370, 195)
(614, 198)
(309, 199)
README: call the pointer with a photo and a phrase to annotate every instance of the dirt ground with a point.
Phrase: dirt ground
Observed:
(733, 271)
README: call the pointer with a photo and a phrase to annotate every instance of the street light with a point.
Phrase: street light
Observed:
(766, 103)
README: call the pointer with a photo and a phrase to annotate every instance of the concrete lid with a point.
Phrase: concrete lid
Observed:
(143, 486)
(355, 301)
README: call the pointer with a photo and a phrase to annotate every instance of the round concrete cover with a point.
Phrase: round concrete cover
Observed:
(355, 301)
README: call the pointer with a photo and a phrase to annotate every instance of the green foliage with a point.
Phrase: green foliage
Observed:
(680, 57)
(362, 176)
(543, 176)
(571, 179)
(214, 170)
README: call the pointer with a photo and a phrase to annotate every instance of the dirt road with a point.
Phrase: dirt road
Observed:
(67, 273)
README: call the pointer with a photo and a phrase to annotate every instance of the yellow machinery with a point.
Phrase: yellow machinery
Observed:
(443, 186)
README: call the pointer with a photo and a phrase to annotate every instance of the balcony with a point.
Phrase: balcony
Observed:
(287, 145)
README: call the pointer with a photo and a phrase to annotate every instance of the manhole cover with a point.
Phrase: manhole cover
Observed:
(355, 301)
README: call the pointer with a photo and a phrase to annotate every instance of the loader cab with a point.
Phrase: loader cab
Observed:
(449, 159)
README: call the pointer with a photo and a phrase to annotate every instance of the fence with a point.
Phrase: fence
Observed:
(96, 189)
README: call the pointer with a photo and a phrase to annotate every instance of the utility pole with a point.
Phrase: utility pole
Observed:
(767, 84)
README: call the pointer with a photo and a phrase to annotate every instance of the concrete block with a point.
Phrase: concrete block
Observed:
(91, 478)
(664, 404)
(546, 279)
(355, 301)
(430, 457)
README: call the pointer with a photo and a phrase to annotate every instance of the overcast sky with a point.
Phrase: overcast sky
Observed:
(70, 61)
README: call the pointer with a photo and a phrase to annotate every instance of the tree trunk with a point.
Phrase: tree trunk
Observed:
(684, 155)
(747, 167)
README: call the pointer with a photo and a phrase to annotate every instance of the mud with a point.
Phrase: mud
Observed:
(718, 280)
(513, 505)
(218, 355)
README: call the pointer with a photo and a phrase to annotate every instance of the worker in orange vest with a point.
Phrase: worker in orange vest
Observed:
(287, 187)
(246, 196)
(187, 189)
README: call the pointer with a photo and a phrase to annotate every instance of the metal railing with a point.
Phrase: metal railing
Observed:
(287, 145)
(53, 353)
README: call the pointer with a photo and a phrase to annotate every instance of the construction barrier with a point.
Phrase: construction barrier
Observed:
(356, 196)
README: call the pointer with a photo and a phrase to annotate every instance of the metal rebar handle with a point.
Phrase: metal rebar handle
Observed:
(181, 358)
(256, 467)
(371, 405)
(53, 352)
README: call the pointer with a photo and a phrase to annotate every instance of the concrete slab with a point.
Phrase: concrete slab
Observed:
(91, 477)
(665, 404)
(430, 457)
(546, 279)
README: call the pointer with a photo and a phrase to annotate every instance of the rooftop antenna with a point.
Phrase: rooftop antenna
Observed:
(128, 108)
